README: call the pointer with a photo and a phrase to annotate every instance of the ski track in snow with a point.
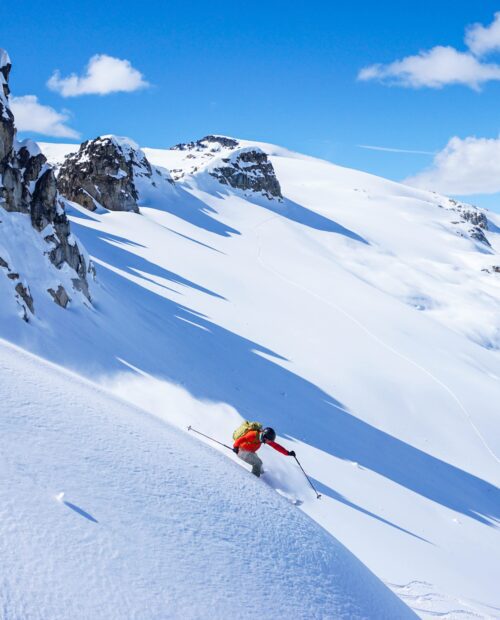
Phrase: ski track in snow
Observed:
(429, 604)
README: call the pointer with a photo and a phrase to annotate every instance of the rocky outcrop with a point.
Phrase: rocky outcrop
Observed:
(7, 130)
(493, 269)
(473, 216)
(248, 169)
(28, 186)
(24, 293)
(106, 172)
(60, 296)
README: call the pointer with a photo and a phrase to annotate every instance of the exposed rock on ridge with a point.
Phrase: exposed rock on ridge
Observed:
(208, 141)
(28, 186)
(473, 216)
(7, 130)
(106, 172)
(248, 169)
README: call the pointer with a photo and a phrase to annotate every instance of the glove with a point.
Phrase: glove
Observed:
(291, 453)
(236, 450)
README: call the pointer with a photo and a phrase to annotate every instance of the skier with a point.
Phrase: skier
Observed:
(247, 445)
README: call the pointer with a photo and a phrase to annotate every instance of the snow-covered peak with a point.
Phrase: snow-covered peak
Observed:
(130, 149)
(5, 112)
(210, 142)
(241, 165)
(122, 142)
(122, 145)
(4, 58)
(31, 147)
(187, 158)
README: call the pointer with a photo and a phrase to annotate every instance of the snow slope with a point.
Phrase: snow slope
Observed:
(108, 513)
(354, 317)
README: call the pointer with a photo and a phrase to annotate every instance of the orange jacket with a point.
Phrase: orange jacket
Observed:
(251, 442)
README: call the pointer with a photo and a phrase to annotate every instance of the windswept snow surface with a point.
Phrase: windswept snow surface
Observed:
(354, 317)
(108, 513)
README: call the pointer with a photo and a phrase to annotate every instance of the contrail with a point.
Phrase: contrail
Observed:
(391, 150)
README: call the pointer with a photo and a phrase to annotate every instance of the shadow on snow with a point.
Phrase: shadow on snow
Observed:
(215, 364)
(81, 512)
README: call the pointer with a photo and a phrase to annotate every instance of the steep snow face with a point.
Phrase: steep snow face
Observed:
(30, 283)
(108, 513)
(354, 316)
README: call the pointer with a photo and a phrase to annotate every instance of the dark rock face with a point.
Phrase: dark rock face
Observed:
(104, 172)
(28, 186)
(7, 130)
(249, 169)
(25, 295)
(60, 296)
(494, 269)
(475, 217)
(477, 233)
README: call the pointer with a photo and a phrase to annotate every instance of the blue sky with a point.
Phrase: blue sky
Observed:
(276, 71)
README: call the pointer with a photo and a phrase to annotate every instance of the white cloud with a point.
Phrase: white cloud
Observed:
(434, 68)
(104, 75)
(443, 65)
(483, 40)
(30, 115)
(465, 166)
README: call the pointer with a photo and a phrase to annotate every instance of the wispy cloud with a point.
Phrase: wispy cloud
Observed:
(444, 65)
(31, 115)
(388, 149)
(464, 167)
(103, 75)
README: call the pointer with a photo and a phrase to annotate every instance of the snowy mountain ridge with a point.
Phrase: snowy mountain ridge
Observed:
(357, 316)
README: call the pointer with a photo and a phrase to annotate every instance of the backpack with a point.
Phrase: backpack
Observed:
(245, 427)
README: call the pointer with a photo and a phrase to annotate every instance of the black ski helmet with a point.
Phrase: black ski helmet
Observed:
(268, 434)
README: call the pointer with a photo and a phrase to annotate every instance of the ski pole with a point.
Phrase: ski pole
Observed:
(190, 428)
(318, 495)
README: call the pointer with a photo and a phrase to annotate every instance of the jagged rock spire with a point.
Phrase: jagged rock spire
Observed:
(28, 186)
